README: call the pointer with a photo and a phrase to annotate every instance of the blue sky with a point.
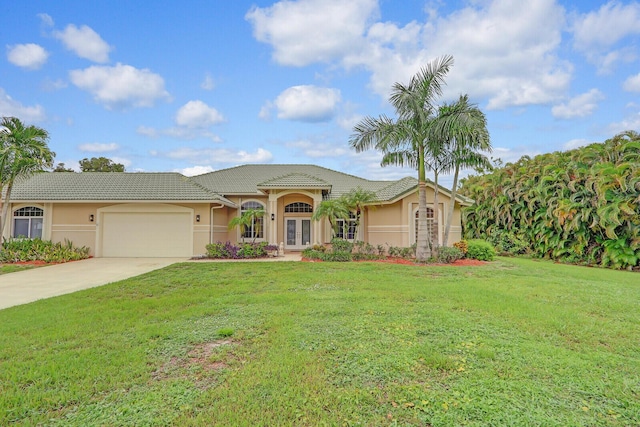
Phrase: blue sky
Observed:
(195, 86)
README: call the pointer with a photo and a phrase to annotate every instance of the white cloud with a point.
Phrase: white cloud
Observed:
(29, 55)
(97, 147)
(580, 106)
(46, 19)
(120, 86)
(505, 51)
(596, 33)
(219, 155)
(125, 162)
(53, 85)
(631, 122)
(632, 84)
(318, 150)
(575, 143)
(177, 132)
(12, 108)
(195, 170)
(308, 31)
(306, 103)
(84, 42)
(208, 83)
(197, 114)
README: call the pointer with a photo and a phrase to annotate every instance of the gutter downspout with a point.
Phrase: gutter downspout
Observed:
(211, 221)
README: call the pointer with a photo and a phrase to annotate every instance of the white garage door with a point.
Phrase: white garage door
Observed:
(146, 234)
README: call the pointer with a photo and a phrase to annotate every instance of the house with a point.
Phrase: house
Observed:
(171, 215)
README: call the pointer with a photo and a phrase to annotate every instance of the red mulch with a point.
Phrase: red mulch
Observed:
(459, 263)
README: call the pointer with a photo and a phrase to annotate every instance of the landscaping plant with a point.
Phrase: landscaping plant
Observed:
(579, 206)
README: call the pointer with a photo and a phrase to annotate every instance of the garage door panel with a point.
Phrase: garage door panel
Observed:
(147, 234)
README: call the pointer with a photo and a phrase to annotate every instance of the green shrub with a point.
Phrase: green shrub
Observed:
(447, 255)
(341, 245)
(228, 250)
(480, 250)
(340, 256)
(21, 250)
(462, 245)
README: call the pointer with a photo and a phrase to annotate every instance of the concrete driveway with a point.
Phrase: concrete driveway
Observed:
(44, 282)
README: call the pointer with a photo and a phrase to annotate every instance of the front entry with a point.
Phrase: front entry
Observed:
(298, 233)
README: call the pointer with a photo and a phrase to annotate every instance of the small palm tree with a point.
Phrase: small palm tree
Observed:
(356, 201)
(23, 152)
(332, 210)
(250, 219)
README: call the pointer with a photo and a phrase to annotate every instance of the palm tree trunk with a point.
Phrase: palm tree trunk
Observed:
(5, 211)
(452, 203)
(435, 210)
(423, 249)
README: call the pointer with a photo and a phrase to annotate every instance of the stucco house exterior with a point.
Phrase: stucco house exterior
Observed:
(171, 215)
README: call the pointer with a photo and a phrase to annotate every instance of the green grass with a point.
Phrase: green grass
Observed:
(12, 268)
(513, 343)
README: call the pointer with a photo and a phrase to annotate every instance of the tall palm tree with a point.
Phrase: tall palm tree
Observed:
(463, 129)
(332, 210)
(407, 137)
(23, 152)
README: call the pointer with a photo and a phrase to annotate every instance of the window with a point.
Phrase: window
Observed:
(432, 226)
(27, 222)
(347, 229)
(298, 207)
(256, 229)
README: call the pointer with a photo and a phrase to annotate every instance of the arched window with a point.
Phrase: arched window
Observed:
(256, 229)
(27, 222)
(432, 226)
(298, 207)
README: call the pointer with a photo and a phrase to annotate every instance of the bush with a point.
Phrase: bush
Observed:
(21, 250)
(508, 243)
(480, 250)
(228, 250)
(462, 245)
(447, 255)
(341, 245)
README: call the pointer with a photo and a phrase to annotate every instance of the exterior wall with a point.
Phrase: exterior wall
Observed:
(387, 224)
(71, 221)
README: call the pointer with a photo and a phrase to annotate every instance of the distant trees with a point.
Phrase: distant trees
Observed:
(100, 164)
(23, 152)
(578, 206)
(60, 167)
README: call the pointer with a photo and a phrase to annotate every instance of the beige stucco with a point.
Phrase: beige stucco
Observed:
(389, 223)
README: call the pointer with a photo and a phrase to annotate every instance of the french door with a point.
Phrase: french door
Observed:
(297, 233)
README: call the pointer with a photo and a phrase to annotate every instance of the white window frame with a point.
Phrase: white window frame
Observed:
(348, 225)
(432, 224)
(28, 211)
(250, 231)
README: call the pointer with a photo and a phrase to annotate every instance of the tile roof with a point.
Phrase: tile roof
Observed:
(213, 186)
(247, 179)
(110, 186)
(295, 180)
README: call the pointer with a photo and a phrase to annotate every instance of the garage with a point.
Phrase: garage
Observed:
(146, 231)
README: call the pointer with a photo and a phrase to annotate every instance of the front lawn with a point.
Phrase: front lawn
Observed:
(12, 268)
(512, 343)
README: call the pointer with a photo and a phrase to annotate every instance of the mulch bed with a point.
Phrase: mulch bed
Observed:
(459, 263)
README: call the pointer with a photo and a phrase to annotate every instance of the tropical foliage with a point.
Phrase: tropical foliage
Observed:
(440, 139)
(25, 250)
(578, 206)
(23, 152)
(355, 201)
(405, 140)
(249, 223)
